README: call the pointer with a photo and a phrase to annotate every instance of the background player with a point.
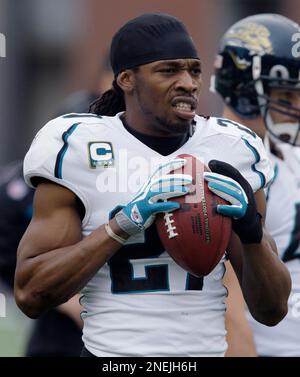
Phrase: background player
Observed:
(258, 77)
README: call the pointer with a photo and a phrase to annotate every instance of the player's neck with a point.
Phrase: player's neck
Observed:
(137, 123)
(157, 143)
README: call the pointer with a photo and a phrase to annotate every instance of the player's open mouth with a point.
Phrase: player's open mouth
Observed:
(184, 108)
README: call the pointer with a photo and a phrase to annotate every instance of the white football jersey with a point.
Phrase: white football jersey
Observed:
(292, 159)
(141, 303)
(283, 223)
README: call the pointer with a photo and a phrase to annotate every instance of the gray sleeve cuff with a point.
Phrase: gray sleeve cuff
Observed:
(126, 224)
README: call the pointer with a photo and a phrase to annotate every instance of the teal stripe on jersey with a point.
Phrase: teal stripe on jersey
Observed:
(273, 180)
(80, 115)
(257, 160)
(62, 152)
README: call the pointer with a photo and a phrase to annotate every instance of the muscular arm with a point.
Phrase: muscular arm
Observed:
(53, 263)
(264, 279)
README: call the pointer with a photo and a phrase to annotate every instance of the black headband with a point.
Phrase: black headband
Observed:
(148, 38)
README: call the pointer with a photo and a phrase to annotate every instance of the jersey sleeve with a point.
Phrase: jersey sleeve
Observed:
(241, 147)
(255, 164)
(51, 148)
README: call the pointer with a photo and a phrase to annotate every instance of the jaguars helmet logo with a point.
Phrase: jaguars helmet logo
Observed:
(254, 37)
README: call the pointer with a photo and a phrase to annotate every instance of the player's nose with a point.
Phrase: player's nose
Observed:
(187, 82)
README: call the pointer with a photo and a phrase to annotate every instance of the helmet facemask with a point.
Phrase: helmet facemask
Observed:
(278, 78)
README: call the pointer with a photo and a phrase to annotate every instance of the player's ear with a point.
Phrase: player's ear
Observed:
(126, 80)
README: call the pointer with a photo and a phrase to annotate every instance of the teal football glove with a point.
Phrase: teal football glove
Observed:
(151, 199)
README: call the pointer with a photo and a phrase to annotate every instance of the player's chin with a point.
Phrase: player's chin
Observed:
(181, 125)
(176, 125)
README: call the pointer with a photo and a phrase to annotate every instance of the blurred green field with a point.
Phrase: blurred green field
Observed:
(14, 330)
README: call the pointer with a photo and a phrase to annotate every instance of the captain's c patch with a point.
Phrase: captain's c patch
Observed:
(100, 154)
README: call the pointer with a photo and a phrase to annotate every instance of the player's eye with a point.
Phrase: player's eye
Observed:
(168, 70)
(284, 102)
(196, 71)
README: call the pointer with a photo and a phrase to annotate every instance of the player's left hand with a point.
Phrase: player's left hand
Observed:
(152, 197)
(228, 183)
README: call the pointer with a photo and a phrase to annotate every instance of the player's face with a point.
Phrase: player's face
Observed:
(285, 110)
(290, 98)
(167, 94)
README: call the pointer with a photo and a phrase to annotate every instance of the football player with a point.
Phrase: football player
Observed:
(291, 155)
(101, 179)
(258, 77)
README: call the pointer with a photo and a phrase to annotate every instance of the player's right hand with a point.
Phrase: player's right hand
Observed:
(151, 199)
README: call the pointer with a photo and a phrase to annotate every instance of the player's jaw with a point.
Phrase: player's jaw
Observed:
(184, 107)
(179, 116)
(171, 116)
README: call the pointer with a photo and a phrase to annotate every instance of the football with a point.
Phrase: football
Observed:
(195, 235)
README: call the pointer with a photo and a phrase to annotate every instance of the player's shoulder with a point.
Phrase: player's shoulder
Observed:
(82, 125)
(232, 134)
(226, 128)
(64, 139)
(239, 146)
(71, 121)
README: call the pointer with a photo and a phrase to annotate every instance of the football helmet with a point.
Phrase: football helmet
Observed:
(255, 55)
